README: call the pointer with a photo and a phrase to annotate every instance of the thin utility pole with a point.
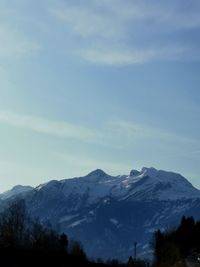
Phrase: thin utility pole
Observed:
(135, 251)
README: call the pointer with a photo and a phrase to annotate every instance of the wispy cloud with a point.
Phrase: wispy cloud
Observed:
(84, 22)
(14, 44)
(45, 126)
(118, 57)
(134, 56)
(110, 133)
(131, 32)
(115, 146)
(86, 163)
(138, 132)
(15, 41)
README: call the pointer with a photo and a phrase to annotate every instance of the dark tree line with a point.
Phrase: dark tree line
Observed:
(27, 242)
(18, 231)
(173, 247)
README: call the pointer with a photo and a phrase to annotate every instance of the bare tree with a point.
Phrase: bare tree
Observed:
(13, 221)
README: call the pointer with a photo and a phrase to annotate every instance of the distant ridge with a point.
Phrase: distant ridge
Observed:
(107, 213)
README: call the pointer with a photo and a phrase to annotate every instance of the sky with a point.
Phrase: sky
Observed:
(109, 84)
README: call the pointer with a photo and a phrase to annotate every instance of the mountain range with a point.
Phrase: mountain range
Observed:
(108, 214)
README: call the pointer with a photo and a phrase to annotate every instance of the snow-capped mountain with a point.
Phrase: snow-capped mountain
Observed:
(109, 213)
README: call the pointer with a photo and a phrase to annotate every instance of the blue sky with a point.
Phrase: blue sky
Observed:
(110, 84)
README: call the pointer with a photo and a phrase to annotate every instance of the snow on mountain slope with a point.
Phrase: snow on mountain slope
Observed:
(15, 191)
(107, 213)
(149, 183)
(157, 184)
(89, 188)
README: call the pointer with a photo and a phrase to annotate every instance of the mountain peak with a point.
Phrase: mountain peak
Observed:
(134, 173)
(16, 190)
(138, 203)
(149, 171)
(21, 188)
(97, 176)
(97, 173)
(145, 171)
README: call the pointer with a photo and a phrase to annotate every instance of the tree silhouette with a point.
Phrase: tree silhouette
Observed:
(26, 242)
(64, 242)
(13, 222)
(174, 246)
